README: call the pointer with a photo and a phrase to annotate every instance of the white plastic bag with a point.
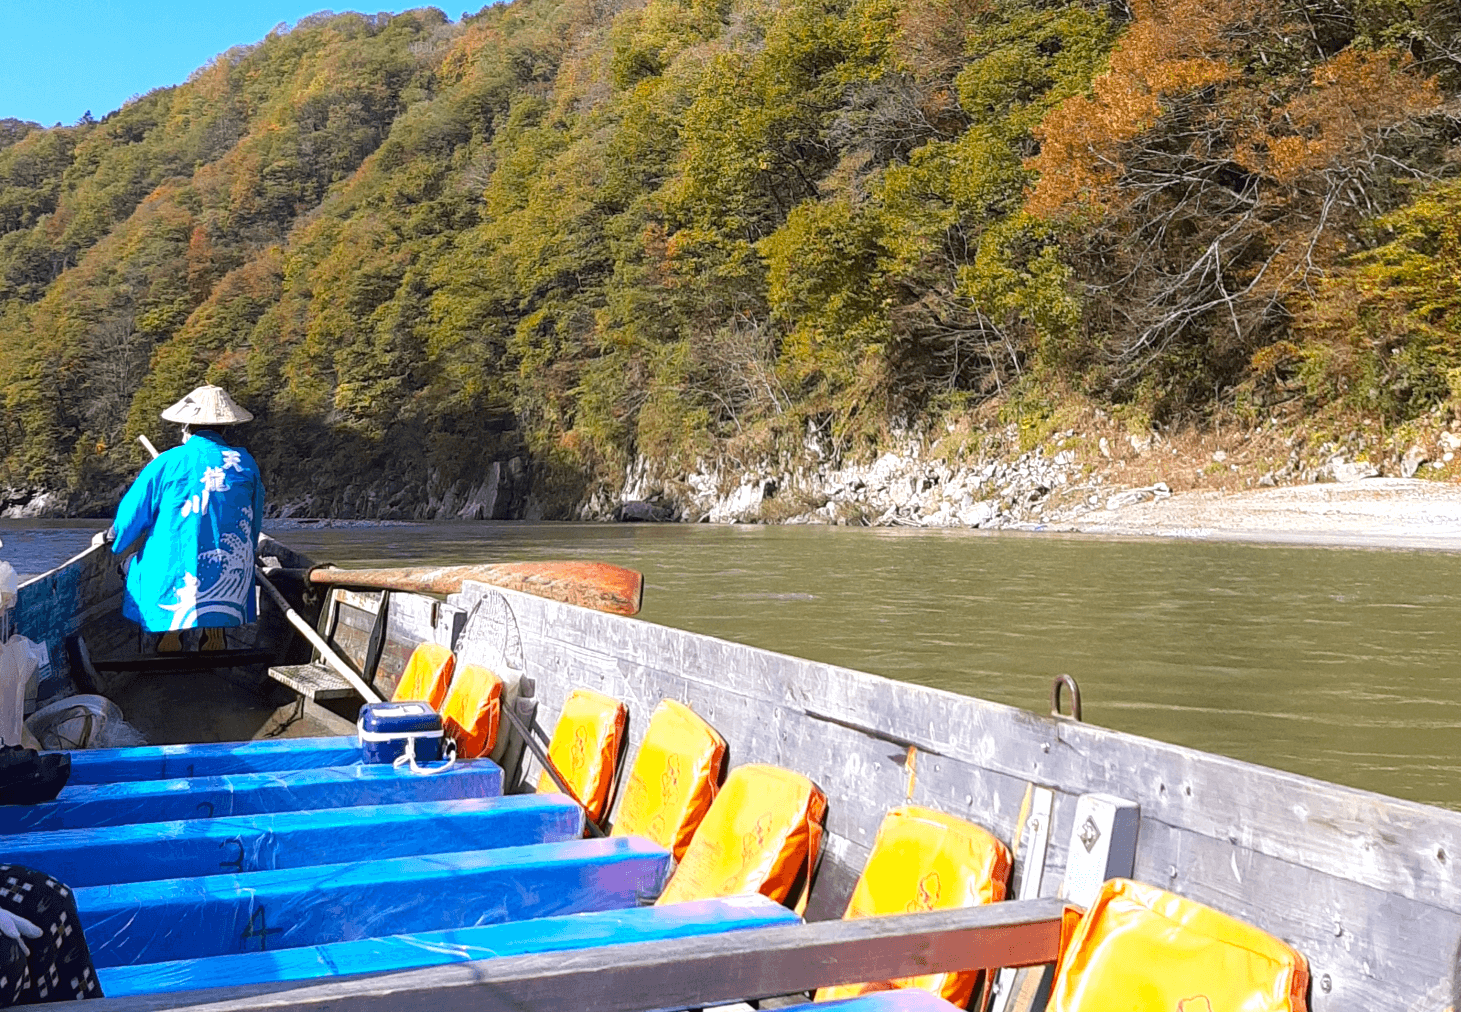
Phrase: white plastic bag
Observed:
(9, 586)
(29, 662)
(41, 654)
(18, 664)
(84, 721)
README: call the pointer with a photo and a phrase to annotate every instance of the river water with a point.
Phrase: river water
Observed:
(1343, 664)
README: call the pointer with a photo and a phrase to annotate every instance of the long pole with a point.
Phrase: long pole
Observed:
(305, 629)
(552, 770)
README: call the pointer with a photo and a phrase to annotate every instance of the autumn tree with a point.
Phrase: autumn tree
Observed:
(1217, 170)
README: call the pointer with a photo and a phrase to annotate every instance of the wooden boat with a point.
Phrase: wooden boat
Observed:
(1362, 885)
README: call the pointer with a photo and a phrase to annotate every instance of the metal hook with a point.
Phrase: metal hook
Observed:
(1075, 698)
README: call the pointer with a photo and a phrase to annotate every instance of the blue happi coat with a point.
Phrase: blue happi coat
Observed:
(195, 511)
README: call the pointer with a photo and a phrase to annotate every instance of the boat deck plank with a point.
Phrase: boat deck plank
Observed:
(314, 682)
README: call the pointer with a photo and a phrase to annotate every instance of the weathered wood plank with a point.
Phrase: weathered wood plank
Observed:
(1366, 948)
(1384, 865)
(693, 972)
(315, 682)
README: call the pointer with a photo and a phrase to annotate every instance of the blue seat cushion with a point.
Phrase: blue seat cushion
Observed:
(247, 794)
(141, 851)
(406, 952)
(150, 922)
(909, 999)
(215, 759)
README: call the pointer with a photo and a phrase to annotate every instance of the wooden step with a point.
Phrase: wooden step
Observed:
(314, 682)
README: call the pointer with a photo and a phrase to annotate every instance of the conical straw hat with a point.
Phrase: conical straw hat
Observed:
(207, 405)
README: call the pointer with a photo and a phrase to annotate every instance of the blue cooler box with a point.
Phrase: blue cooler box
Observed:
(384, 729)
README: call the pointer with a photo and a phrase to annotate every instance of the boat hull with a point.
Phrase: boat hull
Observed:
(1362, 885)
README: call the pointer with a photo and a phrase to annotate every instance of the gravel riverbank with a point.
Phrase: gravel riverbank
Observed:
(1378, 512)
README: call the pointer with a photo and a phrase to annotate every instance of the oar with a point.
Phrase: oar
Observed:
(596, 585)
(306, 630)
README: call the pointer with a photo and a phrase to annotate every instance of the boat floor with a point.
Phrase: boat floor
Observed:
(171, 709)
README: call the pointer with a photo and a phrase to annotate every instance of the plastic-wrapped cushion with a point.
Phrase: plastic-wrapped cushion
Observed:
(762, 834)
(427, 675)
(585, 748)
(926, 860)
(435, 948)
(1137, 939)
(910, 1000)
(164, 762)
(673, 780)
(139, 852)
(249, 793)
(150, 922)
(472, 710)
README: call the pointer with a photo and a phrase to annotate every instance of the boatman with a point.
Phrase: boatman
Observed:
(192, 517)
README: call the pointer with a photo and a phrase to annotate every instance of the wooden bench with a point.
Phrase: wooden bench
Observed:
(354, 624)
(314, 681)
(372, 631)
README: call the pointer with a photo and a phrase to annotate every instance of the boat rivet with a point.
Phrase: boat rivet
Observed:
(1325, 984)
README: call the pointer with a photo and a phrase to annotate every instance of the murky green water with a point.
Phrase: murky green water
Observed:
(1342, 664)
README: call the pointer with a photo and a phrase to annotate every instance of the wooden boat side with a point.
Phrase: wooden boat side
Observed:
(1363, 885)
(51, 607)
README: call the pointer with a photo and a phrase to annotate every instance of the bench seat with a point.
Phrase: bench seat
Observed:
(214, 759)
(435, 948)
(314, 681)
(150, 922)
(248, 793)
(144, 851)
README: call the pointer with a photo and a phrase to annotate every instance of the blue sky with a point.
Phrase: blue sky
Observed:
(59, 59)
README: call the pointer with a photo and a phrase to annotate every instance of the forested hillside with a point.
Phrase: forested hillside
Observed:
(578, 233)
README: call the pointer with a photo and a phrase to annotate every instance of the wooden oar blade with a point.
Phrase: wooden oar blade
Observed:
(596, 585)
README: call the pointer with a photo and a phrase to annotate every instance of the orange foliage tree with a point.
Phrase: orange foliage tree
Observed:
(1220, 166)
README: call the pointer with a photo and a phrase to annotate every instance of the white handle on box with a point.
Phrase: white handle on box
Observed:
(409, 757)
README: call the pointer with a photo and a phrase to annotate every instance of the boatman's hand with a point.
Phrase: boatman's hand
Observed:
(14, 926)
(105, 537)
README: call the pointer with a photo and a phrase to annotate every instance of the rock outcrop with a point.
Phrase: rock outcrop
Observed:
(912, 488)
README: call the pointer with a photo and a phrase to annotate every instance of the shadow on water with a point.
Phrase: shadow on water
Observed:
(1336, 663)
